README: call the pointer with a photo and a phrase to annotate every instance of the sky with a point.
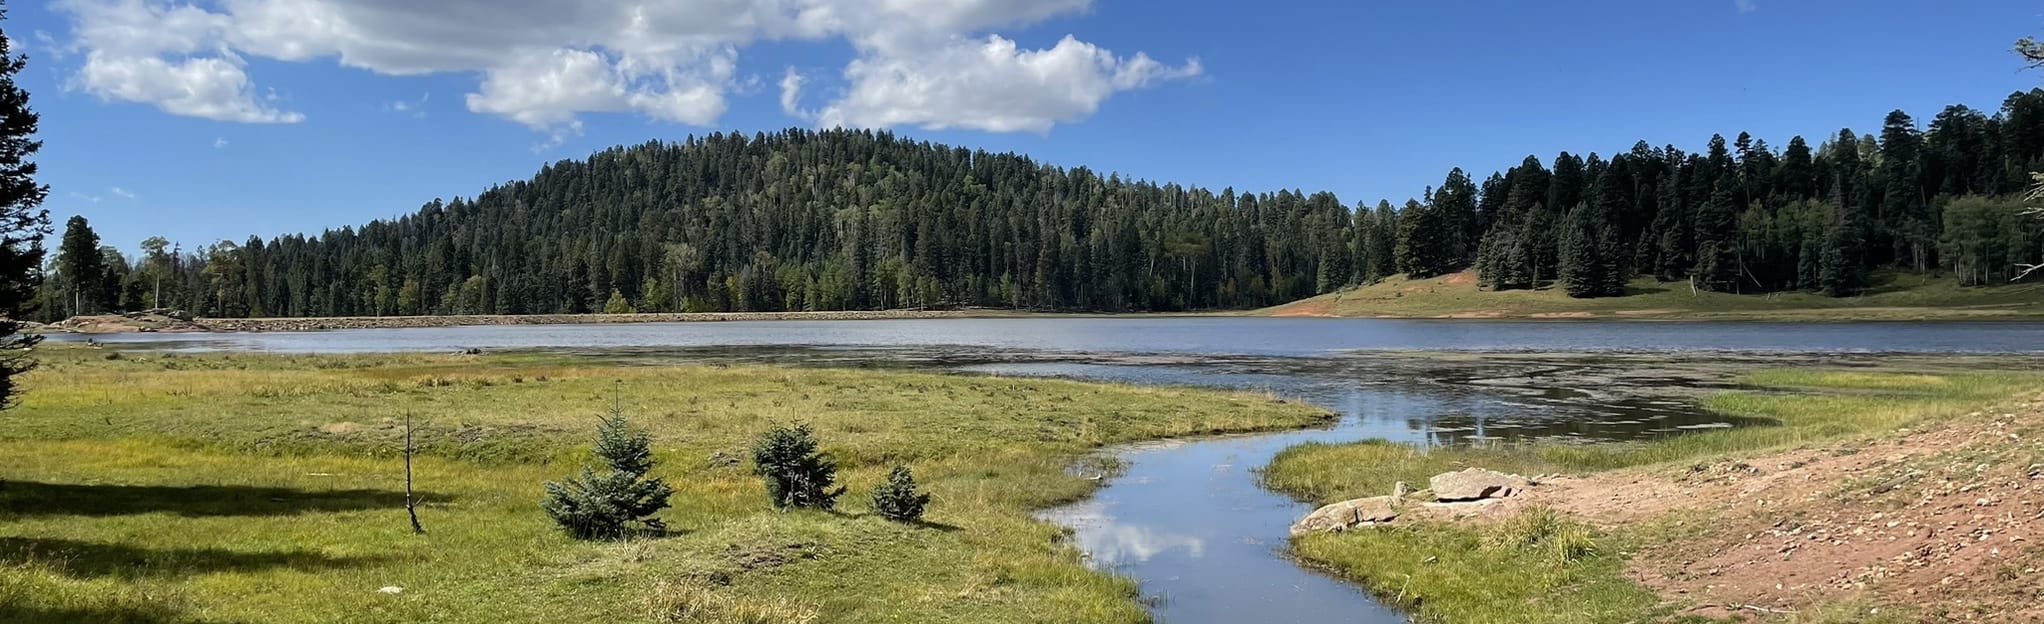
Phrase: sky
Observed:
(202, 120)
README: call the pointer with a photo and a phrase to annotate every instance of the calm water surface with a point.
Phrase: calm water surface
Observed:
(1188, 519)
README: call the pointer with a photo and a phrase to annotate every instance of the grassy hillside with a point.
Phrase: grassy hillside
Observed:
(144, 487)
(1895, 297)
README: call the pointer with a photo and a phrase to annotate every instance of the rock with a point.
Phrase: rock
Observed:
(1476, 484)
(1347, 514)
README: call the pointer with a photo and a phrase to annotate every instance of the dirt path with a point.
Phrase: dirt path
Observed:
(1944, 519)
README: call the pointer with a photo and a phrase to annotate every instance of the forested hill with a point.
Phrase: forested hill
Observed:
(847, 219)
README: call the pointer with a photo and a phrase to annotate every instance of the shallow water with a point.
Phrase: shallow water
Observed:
(1188, 519)
(1232, 335)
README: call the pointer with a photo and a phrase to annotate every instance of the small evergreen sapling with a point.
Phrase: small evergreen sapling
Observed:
(603, 504)
(796, 474)
(898, 499)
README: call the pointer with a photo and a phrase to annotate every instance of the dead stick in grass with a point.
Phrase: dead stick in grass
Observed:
(411, 504)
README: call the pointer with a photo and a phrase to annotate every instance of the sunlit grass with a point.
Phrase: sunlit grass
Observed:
(1895, 297)
(269, 488)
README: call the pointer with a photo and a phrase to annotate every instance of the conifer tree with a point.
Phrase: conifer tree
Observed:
(81, 266)
(23, 222)
(796, 473)
(1717, 243)
(898, 499)
(605, 502)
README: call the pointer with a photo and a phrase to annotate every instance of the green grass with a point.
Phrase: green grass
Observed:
(1444, 573)
(239, 488)
(1537, 567)
(1895, 297)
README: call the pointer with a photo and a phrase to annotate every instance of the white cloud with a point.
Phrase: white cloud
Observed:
(417, 109)
(219, 142)
(791, 95)
(93, 199)
(991, 85)
(124, 193)
(1746, 6)
(543, 63)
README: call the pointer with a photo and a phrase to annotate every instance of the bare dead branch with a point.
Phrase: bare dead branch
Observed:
(411, 504)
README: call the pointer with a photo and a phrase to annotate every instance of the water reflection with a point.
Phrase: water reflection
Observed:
(1115, 544)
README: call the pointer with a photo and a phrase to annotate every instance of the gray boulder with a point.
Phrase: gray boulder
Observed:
(1472, 484)
(1348, 514)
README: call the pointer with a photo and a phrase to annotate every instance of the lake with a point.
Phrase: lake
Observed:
(1189, 519)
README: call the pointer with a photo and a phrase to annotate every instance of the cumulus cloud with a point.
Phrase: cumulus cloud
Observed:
(992, 85)
(544, 63)
(791, 95)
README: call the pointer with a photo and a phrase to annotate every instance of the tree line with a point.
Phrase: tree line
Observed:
(859, 219)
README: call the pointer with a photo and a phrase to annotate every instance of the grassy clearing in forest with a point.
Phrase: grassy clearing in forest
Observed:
(1895, 297)
(1566, 571)
(150, 487)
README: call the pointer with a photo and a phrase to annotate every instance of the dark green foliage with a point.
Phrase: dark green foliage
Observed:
(796, 473)
(1717, 243)
(1842, 269)
(23, 222)
(898, 499)
(82, 268)
(795, 220)
(605, 502)
(1591, 257)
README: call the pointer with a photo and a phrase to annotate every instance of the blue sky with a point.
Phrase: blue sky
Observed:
(220, 119)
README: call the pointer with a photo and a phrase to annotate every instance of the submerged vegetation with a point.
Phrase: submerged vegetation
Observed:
(1559, 570)
(217, 488)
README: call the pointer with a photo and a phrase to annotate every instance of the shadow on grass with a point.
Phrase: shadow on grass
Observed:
(29, 498)
(96, 615)
(85, 560)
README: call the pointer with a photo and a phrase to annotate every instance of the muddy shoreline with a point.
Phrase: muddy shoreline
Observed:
(117, 325)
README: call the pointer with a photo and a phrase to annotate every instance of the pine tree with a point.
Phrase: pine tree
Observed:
(617, 304)
(796, 473)
(1592, 257)
(898, 499)
(1842, 270)
(23, 222)
(81, 266)
(1383, 240)
(604, 503)
(1717, 243)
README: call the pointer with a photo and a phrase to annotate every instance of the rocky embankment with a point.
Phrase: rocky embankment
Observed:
(179, 321)
(1449, 495)
(146, 321)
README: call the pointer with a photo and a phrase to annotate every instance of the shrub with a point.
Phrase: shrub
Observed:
(605, 503)
(898, 499)
(796, 474)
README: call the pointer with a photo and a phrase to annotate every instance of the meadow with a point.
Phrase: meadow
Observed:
(155, 487)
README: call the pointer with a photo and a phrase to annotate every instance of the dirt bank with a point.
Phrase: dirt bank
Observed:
(1942, 519)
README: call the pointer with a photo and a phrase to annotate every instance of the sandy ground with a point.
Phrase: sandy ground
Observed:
(1943, 519)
